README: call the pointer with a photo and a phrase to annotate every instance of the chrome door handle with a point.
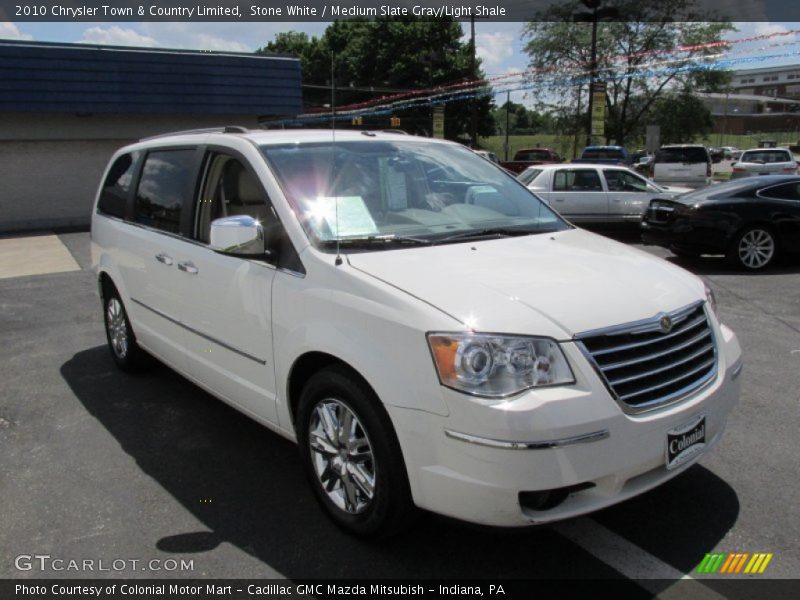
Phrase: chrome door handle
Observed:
(188, 267)
(164, 259)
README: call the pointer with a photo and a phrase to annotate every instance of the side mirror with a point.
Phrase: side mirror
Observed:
(241, 235)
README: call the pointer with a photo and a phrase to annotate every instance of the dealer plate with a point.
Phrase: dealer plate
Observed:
(686, 442)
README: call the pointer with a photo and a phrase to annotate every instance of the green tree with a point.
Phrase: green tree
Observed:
(373, 56)
(631, 57)
(682, 117)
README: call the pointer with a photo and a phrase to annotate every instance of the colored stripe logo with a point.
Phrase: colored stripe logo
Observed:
(735, 562)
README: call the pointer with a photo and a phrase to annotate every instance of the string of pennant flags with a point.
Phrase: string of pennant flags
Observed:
(525, 82)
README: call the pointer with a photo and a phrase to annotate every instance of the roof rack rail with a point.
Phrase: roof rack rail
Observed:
(225, 129)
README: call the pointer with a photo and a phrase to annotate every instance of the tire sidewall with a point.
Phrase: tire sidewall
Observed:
(353, 393)
(127, 362)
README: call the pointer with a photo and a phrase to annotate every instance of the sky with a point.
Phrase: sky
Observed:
(499, 45)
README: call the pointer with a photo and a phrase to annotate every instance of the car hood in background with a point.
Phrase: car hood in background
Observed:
(674, 190)
(555, 284)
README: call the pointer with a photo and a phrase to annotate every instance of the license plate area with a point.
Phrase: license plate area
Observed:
(685, 442)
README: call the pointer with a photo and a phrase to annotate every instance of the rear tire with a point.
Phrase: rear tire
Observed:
(351, 455)
(128, 355)
(754, 248)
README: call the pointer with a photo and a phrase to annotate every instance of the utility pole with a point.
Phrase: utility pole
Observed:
(508, 113)
(592, 69)
(577, 124)
(598, 14)
(473, 125)
(333, 92)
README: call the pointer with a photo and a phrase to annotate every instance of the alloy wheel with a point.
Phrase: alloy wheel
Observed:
(756, 248)
(342, 456)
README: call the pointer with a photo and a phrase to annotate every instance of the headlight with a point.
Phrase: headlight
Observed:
(496, 366)
(711, 299)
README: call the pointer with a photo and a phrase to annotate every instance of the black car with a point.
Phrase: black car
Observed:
(751, 220)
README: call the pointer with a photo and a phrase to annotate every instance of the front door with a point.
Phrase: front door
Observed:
(228, 299)
(629, 194)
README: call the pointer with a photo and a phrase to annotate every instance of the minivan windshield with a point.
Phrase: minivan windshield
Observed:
(374, 192)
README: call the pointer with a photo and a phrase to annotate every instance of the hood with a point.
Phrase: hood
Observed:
(674, 190)
(555, 285)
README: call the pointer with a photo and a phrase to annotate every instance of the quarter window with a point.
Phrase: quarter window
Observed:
(787, 191)
(578, 180)
(164, 189)
(117, 186)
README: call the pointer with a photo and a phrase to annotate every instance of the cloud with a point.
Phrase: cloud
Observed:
(212, 42)
(116, 36)
(221, 37)
(9, 31)
(494, 48)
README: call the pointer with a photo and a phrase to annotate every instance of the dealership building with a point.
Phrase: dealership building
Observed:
(65, 108)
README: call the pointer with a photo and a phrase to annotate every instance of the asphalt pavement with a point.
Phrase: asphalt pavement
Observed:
(97, 464)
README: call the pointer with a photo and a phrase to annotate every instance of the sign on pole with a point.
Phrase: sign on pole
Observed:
(598, 109)
(438, 122)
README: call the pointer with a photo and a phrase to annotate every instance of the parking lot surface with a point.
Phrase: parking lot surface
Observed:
(97, 464)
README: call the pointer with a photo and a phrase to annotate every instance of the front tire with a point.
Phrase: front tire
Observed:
(351, 455)
(754, 248)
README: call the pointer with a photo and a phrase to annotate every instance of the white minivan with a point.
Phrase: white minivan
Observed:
(427, 330)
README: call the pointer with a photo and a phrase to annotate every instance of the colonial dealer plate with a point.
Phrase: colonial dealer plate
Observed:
(686, 442)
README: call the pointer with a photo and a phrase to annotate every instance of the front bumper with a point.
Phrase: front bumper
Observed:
(478, 481)
(685, 234)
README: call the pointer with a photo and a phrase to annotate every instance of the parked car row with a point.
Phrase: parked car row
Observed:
(595, 193)
(750, 221)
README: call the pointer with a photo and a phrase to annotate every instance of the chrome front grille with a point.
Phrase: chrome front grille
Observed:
(654, 362)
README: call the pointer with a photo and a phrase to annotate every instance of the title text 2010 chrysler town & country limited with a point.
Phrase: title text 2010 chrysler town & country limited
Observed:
(427, 330)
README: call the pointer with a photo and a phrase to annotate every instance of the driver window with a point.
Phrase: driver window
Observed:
(229, 190)
(621, 181)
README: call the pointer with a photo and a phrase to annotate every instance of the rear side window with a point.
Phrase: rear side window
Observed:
(117, 186)
(766, 156)
(579, 180)
(165, 189)
(787, 191)
(692, 154)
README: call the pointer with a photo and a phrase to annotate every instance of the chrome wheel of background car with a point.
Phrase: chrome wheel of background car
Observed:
(756, 248)
(342, 456)
(117, 327)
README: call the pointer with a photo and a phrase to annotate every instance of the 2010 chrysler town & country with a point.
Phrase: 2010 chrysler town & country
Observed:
(428, 331)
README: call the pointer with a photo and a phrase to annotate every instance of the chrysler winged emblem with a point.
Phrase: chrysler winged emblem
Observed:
(666, 324)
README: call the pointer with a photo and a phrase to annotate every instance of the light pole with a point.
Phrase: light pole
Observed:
(597, 14)
(473, 117)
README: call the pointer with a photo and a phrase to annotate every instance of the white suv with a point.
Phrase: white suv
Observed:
(427, 330)
(682, 164)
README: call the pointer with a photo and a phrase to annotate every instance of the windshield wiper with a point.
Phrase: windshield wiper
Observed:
(491, 232)
(379, 240)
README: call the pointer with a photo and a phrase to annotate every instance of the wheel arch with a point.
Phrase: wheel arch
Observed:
(304, 367)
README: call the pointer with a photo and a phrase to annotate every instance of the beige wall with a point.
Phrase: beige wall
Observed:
(51, 164)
